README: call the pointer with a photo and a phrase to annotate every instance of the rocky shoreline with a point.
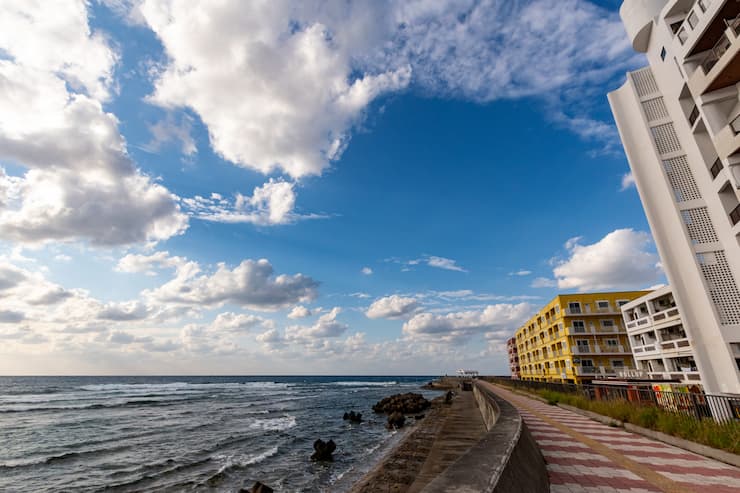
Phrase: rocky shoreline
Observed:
(399, 468)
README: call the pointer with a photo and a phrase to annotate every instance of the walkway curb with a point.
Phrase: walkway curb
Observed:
(697, 448)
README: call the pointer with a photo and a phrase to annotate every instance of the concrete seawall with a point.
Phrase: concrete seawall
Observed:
(506, 459)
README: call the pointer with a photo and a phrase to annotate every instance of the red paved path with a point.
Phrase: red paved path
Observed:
(584, 456)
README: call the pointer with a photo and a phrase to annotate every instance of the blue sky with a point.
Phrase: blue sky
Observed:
(270, 188)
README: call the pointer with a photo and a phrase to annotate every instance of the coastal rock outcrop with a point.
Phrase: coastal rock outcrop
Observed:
(409, 403)
(257, 488)
(323, 450)
(353, 417)
(396, 420)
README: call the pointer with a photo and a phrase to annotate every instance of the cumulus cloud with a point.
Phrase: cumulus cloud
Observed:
(80, 182)
(623, 259)
(133, 262)
(367, 271)
(326, 326)
(394, 307)
(237, 322)
(270, 204)
(251, 284)
(274, 83)
(299, 311)
(460, 325)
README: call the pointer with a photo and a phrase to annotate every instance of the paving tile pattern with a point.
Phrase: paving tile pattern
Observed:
(620, 462)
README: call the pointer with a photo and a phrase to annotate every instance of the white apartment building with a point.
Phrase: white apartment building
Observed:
(679, 120)
(660, 345)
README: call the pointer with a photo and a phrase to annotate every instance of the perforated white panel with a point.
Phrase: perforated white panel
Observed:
(665, 138)
(699, 225)
(681, 179)
(655, 109)
(644, 81)
(722, 286)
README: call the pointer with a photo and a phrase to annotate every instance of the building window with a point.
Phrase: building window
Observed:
(579, 326)
(587, 362)
(683, 35)
(702, 5)
(716, 168)
(602, 305)
(607, 324)
(663, 53)
(617, 363)
(612, 343)
(621, 303)
(693, 19)
(735, 215)
(574, 307)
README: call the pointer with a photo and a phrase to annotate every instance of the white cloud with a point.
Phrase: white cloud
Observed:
(251, 284)
(521, 272)
(237, 322)
(270, 204)
(628, 181)
(80, 182)
(281, 85)
(620, 260)
(543, 282)
(171, 131)
(148, 263)
(326, 326)
(443, 263)
(394, 307)
(367, 271)
(460, 325)
(273, 83)
(299, 311)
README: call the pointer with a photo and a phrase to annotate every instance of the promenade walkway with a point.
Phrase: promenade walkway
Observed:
(584, 456)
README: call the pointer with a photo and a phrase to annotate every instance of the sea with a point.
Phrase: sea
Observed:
(126, 434)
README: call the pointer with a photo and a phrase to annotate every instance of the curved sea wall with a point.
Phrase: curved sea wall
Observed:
(506, 459)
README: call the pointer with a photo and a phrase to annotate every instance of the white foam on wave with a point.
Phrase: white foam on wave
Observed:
(274, 424)
(245, 460)
(364, 384)
(180, 386)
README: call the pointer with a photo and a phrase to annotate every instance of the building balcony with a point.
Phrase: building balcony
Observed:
(600, 349)
(587, 310)
(605, 371)
(719, 66)
(647, 349)
(685, 376)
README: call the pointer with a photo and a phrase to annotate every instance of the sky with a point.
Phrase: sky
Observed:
(317, 187)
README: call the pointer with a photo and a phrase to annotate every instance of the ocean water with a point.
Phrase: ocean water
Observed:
(189, 433)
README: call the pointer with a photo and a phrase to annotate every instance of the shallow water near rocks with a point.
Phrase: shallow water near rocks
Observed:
(189, 433)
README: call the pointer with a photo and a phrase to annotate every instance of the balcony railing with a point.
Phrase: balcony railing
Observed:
(719, 49)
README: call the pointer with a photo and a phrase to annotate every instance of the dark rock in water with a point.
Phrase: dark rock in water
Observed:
(396, 420)
(323, 450)
(448, 397)
(408, 403)
(419, 416)
(353, 417)
(257, 488)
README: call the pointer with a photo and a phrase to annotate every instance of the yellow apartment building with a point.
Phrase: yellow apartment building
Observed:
(576, 338)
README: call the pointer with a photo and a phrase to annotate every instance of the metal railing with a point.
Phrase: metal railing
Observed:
(697, 405)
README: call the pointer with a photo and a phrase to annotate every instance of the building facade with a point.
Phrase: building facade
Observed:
(513, 358)
(576, 338)
(679, 121)
(660, 345)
